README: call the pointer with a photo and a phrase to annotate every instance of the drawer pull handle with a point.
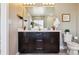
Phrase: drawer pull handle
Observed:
(38, 34)
(39, 48)
(39, 40)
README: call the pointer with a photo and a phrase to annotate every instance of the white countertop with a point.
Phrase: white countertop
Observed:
(21, 30)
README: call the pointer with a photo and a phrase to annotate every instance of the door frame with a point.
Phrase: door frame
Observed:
(4, 29)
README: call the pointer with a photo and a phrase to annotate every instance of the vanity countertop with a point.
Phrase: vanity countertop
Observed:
(21, 30)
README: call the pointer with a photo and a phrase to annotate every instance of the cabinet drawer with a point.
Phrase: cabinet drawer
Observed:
(36, 34)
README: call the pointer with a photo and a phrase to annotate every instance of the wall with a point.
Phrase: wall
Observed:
(70, 9)
(62, 8)
(14, 9)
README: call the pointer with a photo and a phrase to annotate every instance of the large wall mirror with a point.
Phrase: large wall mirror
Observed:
(40, 15)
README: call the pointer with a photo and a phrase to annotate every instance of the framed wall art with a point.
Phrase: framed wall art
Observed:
(65, 17)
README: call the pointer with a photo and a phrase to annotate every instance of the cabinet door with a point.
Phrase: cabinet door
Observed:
(23, 42)
(54, 38)
(54, 41)
(51, 42)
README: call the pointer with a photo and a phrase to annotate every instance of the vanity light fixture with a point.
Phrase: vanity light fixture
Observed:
(39, 4)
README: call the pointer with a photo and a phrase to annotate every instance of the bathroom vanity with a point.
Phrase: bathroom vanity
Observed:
(38, 41)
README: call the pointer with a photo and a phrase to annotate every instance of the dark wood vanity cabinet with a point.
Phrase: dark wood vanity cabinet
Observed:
(38, 42)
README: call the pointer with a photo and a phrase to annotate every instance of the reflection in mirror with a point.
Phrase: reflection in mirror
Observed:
(40, 17)
(38, 22)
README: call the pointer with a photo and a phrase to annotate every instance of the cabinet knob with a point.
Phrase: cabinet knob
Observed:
(38, 33)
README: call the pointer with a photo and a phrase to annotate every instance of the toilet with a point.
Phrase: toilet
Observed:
(72, 47)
